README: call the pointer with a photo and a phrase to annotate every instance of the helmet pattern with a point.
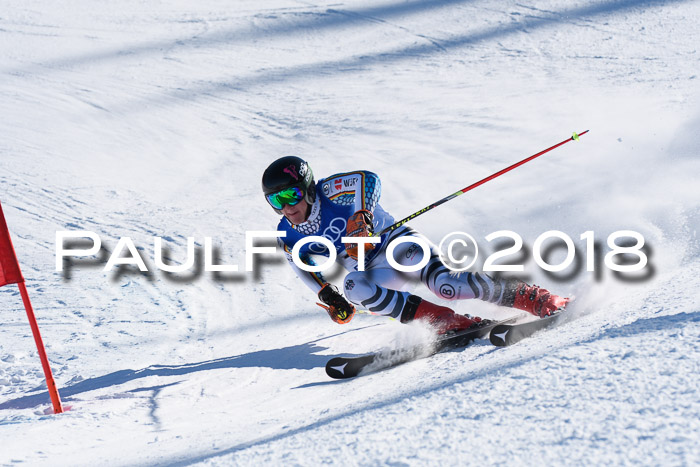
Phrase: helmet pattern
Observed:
(286, 172)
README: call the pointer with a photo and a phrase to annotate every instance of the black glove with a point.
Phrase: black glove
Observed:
(339, 309)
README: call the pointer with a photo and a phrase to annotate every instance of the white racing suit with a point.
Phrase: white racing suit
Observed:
(380, 288)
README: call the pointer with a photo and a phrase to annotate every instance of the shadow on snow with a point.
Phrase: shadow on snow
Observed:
(334, 18)
(297, 357)
(653, 324)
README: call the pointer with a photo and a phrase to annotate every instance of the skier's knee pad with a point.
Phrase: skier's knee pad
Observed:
(357, 288)
(448, 287)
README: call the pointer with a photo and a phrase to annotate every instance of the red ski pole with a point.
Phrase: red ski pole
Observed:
(474, 185)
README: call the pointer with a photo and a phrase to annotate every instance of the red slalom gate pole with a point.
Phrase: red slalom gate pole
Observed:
(50, 383)
(474, 185)
(11, 273)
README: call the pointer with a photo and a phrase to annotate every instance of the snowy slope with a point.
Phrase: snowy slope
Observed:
(137, 120)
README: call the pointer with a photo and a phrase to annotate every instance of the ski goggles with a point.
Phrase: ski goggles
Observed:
(290, 196)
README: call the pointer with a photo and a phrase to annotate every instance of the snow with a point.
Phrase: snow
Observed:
(156, 119)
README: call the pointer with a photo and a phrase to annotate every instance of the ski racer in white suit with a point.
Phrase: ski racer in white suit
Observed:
(347, 204)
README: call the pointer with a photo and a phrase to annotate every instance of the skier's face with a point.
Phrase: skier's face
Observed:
(296, 214)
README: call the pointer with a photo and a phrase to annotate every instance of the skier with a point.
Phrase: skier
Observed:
(347, 204)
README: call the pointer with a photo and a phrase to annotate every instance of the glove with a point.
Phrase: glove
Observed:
(339, 309)
(359, 225)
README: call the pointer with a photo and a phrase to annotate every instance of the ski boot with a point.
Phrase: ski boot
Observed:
(443, 319)
(538, 301)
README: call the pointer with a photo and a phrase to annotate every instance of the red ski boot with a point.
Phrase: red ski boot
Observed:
(540, 302)
(441, 318)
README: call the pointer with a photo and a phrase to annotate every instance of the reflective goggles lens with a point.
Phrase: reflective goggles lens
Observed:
(290, 196)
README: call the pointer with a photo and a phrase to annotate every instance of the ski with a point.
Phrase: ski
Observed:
(507, 334)
(349, 367)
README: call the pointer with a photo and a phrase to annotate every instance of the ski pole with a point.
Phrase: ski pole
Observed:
(359, 311)
(474, 185)
(367, 312)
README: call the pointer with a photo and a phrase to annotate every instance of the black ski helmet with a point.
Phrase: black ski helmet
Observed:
(286, 172)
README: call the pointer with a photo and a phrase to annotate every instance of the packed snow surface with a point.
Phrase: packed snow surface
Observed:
(156, 119)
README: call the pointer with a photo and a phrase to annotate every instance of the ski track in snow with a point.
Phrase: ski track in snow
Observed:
(146, 120)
